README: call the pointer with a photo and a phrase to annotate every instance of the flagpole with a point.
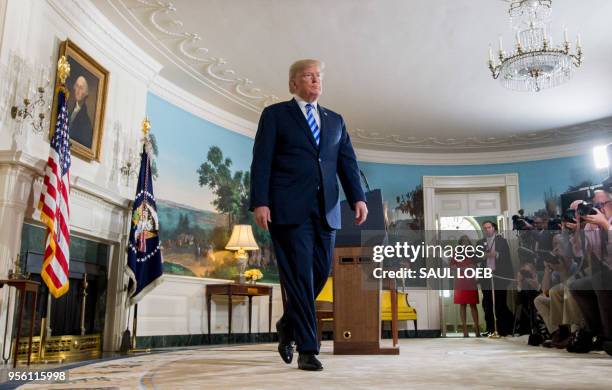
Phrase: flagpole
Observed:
(146, 127)
(134, 327)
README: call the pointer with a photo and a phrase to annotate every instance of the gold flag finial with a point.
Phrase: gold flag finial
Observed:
(146, 126)
(63, 69)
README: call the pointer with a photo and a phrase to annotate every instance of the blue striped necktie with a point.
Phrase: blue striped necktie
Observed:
(312, 123)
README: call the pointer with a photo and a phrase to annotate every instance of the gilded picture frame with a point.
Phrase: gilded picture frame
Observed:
(87, 86)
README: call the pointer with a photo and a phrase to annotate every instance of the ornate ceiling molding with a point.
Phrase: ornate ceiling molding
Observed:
(567, 135)
(156, 21)
(166, 33)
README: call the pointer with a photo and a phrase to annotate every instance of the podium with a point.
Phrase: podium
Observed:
(357, 322)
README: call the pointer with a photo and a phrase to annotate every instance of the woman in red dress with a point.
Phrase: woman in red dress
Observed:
(466, 291)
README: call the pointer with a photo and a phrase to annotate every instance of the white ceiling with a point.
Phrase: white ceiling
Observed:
(406, 75)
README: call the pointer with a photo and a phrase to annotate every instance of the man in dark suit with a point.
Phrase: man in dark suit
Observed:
(300, 151)
(79, 124)
(497, 257)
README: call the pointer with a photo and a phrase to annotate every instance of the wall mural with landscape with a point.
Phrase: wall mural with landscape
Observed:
(202, 192)
(541, 184)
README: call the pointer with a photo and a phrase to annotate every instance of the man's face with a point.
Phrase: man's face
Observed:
(80, 89)
(539, 223)
(600, 197)
(308, 83)
(489, 230)
(607, 208)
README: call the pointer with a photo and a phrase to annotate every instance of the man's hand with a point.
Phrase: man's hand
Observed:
(262, 216)
(361, 212)
(598, 219)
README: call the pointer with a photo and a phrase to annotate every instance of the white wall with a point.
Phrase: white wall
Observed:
(32, 30)
(178, 307)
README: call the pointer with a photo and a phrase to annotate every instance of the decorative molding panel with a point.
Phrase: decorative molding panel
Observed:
(562, 136)
(158, 24)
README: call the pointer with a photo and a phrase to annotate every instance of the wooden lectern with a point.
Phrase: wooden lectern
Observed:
(357, 325)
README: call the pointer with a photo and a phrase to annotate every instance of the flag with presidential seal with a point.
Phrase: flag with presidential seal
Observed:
(144, 264)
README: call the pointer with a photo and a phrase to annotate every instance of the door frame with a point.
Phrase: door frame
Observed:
(506, 183)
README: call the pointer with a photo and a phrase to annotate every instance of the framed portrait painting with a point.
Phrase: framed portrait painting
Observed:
(87, 86)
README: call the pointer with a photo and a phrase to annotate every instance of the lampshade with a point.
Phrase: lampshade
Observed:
(242, 238)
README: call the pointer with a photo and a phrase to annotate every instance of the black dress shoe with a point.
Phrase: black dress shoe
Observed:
(581, 341)
(285, 345)
(598, 342)
(309, 362)
(607, 346)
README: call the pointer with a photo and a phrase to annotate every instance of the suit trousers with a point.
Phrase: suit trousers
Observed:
(551, 307)
(594, 297)
(303, 253)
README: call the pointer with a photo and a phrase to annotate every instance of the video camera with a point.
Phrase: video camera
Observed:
(520, 222)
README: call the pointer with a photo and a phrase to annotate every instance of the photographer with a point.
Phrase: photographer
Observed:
(591, 230)
(555, 305)
(528, 289)
(542, 236)
(524, 226)
(594, 293)
(527, 277)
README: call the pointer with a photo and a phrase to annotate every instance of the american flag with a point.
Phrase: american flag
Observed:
(53, 207)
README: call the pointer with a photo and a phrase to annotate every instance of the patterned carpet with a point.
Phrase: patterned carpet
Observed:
(423, 364)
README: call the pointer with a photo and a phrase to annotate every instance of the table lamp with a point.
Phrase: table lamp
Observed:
(242, 240)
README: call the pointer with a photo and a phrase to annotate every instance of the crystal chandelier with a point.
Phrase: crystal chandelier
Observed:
(535, 64)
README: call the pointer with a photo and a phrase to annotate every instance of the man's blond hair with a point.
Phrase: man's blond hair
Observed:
(299, 66)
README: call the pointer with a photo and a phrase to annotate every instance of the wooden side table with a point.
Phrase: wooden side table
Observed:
(24, 286)
(242, 290)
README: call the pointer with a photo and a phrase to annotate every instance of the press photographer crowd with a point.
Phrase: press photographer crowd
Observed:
(564, 279)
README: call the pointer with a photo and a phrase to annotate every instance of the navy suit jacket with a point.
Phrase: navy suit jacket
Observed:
(288, 166)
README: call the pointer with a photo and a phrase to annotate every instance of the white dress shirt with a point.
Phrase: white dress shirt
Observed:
(75, 111)
(315, 110)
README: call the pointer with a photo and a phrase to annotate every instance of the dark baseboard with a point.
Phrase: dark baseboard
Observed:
(189, 340)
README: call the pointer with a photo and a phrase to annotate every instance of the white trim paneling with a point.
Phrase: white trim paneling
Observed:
(200, 108)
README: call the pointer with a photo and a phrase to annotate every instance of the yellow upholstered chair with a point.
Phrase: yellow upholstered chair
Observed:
(405, 312)
(327, 294)
(325, 311)
(324, 306)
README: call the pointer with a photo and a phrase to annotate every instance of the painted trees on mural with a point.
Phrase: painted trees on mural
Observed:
(410, 203)
(194, 240)
(231, 190)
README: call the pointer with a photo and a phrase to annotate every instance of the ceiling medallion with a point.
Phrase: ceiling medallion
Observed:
(535, 64)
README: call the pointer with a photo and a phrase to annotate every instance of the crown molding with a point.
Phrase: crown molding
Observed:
(581, 132)
(97, 30)
(158, 24)
(204, 110)
(474, 158)
(200, 108)
(184, 49)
